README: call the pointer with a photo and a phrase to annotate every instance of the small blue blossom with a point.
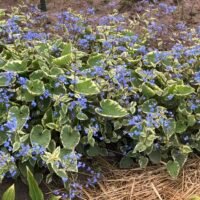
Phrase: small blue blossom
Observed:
(33, 103)
(11, 124)
(197, 77)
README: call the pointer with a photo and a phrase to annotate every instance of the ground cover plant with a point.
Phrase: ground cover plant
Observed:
(72, 90)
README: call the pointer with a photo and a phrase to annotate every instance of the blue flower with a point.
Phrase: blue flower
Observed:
(11, 124)
(181, 26)
(90, 11)
(33, 103)
(197, 77)
(9, 77)
(83, 43)
(135, 119)
(46, 94)
(22, 81)
(170, 97)
(142, 50)
(24, 151)
(167, 9)
(30, 35)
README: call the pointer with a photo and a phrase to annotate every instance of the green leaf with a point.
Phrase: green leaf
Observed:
(185, 149)
(82, 116)
(173, 168)
(69, 137)
(194, 197)
(191, 120)
(69, 158)
(24, 95)
(147, 91)
(2, 12)
(55, 198)
(143, 161)
(52, 126)
(6, 79)
(63, 60)
(96, 151)
(183, 90)
(155, 157)
(34, 191)
(9, 194)
(95, 60)
(180, 126)
(112, 109)
(132, 107)
(67, 49)
(55, 72)
(140, 147)
(38, 74)
(15, 66)
(20, 114)
(16, 146)
(86, 87)
(35, 87)
(126, 162)
(4, 137)
(3, 110)
(48, 117)
(179, 157)
(39, 136)
(149, 106)
(51, 158)
(151, 57)
(169, 127)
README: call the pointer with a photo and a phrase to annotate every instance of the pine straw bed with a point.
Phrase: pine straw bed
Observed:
(154, 183)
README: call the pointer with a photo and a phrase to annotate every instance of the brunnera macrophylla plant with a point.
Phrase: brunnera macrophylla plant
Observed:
(97, 91)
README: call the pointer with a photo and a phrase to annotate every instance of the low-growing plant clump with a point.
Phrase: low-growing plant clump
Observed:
(74, 90)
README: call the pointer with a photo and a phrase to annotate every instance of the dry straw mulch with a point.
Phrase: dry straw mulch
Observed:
(154, 183)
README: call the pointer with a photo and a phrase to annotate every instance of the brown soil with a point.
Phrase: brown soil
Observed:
(188, 10)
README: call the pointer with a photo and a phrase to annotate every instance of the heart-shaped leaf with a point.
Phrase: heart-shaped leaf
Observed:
(70, 160)
(149, 106)
(173, 168)
(63, 60)
(181, 126)
(147, 91)
(86, 87)
(38, 74)
(35, 87)
(15, 66)
(69, 137)
(169, 127)
(155, 157)
(6, 78)
(67, 49)
(143, 161)
(39, 136)
(179, 157)
(20, 114)
(24, 95)
(110, 108)
(126, 162)
(95, 60)
(184, 90)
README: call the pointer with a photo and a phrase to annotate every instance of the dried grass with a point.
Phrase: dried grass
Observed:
(154, 183)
